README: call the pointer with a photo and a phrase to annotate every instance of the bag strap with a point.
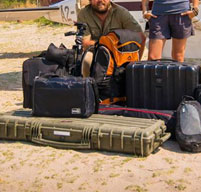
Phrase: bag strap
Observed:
(48, 75)
(187, 98)
(96, 94)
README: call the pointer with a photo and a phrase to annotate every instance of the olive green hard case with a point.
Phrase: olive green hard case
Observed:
(137, 136)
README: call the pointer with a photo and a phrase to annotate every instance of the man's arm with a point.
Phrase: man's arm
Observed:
(195, 8)
(145, 4)
(195, 3)
(145, 10)
(194, 11)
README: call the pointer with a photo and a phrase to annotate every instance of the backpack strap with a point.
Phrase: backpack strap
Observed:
(113, 100)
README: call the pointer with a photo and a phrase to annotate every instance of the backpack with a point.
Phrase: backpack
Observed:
(188, 127)
(112, 53)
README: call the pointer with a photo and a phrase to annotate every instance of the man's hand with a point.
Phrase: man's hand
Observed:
(147, 15)
(191, 14)
(87, 42)
(145, 10)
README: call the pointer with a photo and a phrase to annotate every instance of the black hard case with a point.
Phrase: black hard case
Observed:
(159, 84)
(31, 68)
(63, 97)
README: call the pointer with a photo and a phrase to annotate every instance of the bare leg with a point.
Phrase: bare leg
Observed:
(178, 49)
(86, 64)
(155, 48)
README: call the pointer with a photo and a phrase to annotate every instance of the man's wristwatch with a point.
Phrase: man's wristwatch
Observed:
(195, 11)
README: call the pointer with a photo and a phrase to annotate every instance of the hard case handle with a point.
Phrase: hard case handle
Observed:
(62, 145)
(167, 60)
(164, 138)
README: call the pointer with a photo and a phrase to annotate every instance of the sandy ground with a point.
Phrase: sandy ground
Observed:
(25, 167)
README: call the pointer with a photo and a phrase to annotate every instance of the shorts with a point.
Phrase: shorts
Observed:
(170, 26)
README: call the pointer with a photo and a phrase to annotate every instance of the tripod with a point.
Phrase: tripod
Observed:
(78, 48)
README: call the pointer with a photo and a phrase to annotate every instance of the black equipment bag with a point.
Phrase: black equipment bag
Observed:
(31, 68)
(70, 96)
(160, 84)
(168, 116)
(188, 128)
(61, 55)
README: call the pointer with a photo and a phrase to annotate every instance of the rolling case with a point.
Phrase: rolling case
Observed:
(159, 84)
(98, 132)
(70, 96)
(197, 94)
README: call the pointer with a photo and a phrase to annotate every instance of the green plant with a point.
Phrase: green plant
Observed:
(42, 21)
(16, 3)
(170, 182)
(59, 185)
(135, 188)
(114, 175)
(181, 187)
(187, 170)
(168, 160)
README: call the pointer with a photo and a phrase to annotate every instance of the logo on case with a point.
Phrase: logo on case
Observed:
(62, 133)
(76, 111)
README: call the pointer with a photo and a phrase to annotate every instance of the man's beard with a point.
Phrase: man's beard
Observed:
(101, 11)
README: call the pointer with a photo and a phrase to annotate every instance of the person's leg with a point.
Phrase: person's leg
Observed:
(86, 64)
(181, 29)
(178, 49)
(158, 33)
(155, 48)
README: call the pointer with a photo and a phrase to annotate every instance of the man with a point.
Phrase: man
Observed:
(169, 19)
(101, 17)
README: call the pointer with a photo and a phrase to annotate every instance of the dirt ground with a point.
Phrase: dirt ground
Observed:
(26, 167)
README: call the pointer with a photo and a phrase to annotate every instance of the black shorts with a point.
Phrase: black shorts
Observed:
(168, 26)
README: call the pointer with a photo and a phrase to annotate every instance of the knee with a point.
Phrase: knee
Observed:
(152, 56)
(86, 64)
(178, 57)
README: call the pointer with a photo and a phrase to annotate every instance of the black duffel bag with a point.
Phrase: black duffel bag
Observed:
(68, 96)
(188, 128)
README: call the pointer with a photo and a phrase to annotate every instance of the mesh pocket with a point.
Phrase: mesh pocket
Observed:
(190, 120)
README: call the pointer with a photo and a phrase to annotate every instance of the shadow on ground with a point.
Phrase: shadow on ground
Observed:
(18, 55)
(11, 81)
(172, 145)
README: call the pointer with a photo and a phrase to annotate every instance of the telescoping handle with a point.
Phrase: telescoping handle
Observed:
(62, 145)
